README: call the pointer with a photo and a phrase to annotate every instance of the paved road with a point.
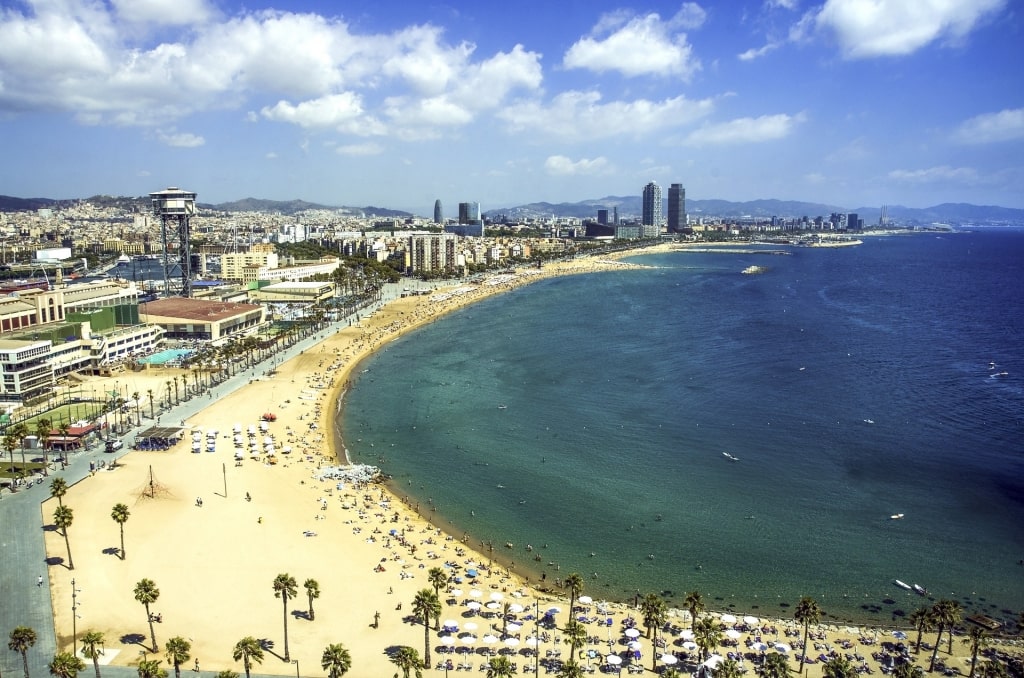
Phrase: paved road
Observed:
(22, 554)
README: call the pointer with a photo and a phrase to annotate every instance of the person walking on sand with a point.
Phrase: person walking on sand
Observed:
(196, 669)
(40, 581)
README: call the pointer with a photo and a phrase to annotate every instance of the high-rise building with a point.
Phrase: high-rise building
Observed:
(469, 212)
(602, 217)
(676, 208)
(438, 212)
(652, 205)
(852, 221)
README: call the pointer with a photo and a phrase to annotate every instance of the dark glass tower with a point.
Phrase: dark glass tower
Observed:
(652, 205)
(438, 212)
(676, 208)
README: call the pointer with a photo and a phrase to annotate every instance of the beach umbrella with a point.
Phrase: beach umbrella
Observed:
(471, 573)
(554, 610)
(782, 647)
(515, 608)
(669, 659)
(585, 600)
(450, 624)
(686, 634)
(447, 641)
(713, 661)
(496, 596)
(475, 593)
(751, 620)
(758, 647)
(728, 618)
(634, 645)
(511, 642)
(632, 633)
(899, 635)
(469, 626)
(490, 639)
(689, 645)
(532, 641)
(613, 659)
(467, 639)
(493, 605)
(513, 627)
(732, 633)
(473, 605)
(456, 592)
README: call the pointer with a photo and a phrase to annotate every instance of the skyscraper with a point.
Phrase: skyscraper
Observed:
(438, 212)
(469, 212)
(652, 205)
(676, 208)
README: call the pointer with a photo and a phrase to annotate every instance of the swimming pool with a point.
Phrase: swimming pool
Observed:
(166, 356)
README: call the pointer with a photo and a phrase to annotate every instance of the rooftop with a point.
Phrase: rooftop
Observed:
(194, 309)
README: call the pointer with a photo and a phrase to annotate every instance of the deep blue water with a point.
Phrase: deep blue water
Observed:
(589, 415)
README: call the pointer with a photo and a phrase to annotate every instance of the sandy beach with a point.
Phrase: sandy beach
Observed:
(214, 554)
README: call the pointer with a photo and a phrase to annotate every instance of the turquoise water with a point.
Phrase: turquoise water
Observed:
(166, 356)
(589, 415)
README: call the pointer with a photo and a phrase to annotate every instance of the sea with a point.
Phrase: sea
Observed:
(581, 424)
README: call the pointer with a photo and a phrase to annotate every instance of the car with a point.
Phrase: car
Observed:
(113, 446)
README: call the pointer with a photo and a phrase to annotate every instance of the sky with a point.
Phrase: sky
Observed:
(390, 103)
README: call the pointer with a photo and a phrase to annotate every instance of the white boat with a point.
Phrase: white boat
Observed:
(730, 457)
(920, 590)
(896, 516)
(902, 585)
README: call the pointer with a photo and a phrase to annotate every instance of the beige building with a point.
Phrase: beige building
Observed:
(234, 266)
(186, 319)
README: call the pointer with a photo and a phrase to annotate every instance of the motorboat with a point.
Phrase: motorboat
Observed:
(920, 590)
(902, 585)
(730, 457)
(896, 516)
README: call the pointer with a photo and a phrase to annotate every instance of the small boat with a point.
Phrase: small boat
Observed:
(502, 407)
(920, 590)
(730, 457)
(869, 421)
(902, 585)
(896, 516)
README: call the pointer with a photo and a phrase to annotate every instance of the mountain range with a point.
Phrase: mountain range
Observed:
(628, 206)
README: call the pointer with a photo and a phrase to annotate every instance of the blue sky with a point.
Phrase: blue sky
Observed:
(848, 102)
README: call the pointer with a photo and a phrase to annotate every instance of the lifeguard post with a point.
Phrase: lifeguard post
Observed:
(175, 206)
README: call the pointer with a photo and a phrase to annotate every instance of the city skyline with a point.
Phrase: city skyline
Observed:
(526, 102)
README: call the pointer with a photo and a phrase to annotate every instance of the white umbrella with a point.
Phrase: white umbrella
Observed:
(668, 659)
(686, 634)
(468, 639)
(475, 593)
(513, 627)
(613, 659)
(473, 605)
(447, 640)
(713, 661)
(689, 645)
(469, 626)
(782, 647)
(585, 600)
(732, 633)
(634, 645)
(899, 635)
(728, 618)
(456, 592)
(515, 608)
(554, 610)
(751, 620)
(450, 624)
(632, 633)
(532, 641)
(493, 605)
(490, 639)
(758, 647)
(511, 642)
(496, 596)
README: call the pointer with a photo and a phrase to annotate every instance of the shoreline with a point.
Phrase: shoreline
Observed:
(270, 534)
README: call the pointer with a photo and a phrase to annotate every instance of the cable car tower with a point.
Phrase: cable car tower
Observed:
(175, 207)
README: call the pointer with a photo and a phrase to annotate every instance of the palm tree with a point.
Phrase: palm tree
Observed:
(150, 668)
(10, 445)
(138, 414)
(993, 668)
(65, 665)
(227, 673)
(147, 593)
(775, 665)
(708, 634)
(21, 639)
(694, 602)
(58, 488)
(248, 649)
(978, 640)
(954, 615)
(284, 588)
(437, 578)
(64, 427)
(336, 660)
(63, 517)
(839, 667)
(149, 392)
(729, 668)
(653, 608)
(574, 582)
(426, 606)
(946, 613)
(576, 634)
(921, 619)
(312, 587)
(20, 430)
(570, 669)
(408, 659)
(43, 428)
(120, 516)
(500, 667)
(906, 669)
(178, 652)
(807, 612)
(92, 647)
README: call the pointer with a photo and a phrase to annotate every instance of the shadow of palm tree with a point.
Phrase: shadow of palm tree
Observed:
(112, 551)
(133, 639)
(54, 560)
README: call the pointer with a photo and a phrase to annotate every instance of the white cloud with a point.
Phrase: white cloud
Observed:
(872, 28)
(325, 112)
(580, 116)
(785, 4)
(758, 52)
(560, 165)
(368, 148)
(744, 130)
(163, 12)
(642, 45)
(690, 16)
(938, 174)
(1006, 125)
(177, 139)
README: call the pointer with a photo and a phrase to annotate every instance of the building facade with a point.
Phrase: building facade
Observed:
(651, 205)
(676, 208)
(438, 212)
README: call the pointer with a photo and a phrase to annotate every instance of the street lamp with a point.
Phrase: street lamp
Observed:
(296, 662)
(74, 617)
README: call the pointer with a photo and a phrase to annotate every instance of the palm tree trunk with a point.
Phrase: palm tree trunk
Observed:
(152, 633)
(935, 650)
(426, 642)
(284, 603)
(245, 663)
(24, 660)
(96, 665)
(71, 563)
(803, 654)
(122, 542)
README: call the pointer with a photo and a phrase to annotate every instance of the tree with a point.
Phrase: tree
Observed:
(570, 669)
(21, 639)
(921, 619)
(946, 613)
(775, 665)
(954, 614)
(138, 414)
(728, 668)
(653, 609)
(284, 588)
(58, 488)
(120, 515)
(993, 668)
(20, 430)
(178, 652)
(149, 392)
(10, 445)
(574, 582)
(248, 650)
(43, 428)
(978, 641)
(147, 593)
(839, 667)
(807, 612)
(64, 427)
(227, 673)
(906, 669)
(694, 602)
(437, 578)
(499, 667)
(407, 659)
(312, 587)
(150, 668)
(63, 517)
(336, 660)
(426, 606)
(65, 665)
(576, 634)
(92, 647)
(708, 634)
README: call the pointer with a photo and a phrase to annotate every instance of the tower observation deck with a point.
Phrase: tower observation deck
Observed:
(175, 207)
